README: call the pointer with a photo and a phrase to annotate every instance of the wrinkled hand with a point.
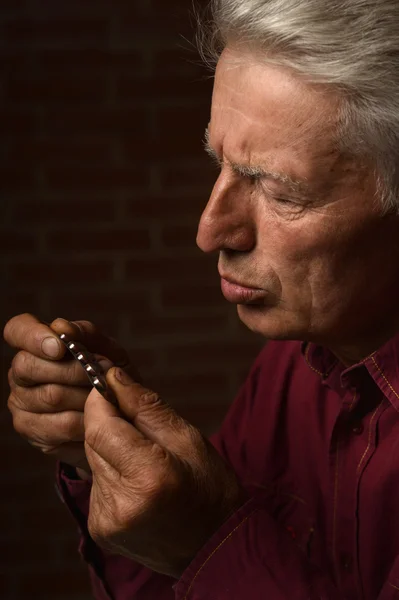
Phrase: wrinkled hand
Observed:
(48, 393)
(160, 489)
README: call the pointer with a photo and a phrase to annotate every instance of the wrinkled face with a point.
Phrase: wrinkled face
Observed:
(291, 215)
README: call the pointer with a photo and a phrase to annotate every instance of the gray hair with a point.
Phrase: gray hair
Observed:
(351, 45)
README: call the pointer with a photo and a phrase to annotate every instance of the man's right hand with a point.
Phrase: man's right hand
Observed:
(48, 392)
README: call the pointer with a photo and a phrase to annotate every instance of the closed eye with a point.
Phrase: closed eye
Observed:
(253, 174)
(212, 154)
(285, 200)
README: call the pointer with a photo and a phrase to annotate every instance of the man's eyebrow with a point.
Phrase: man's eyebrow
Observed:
(257, 172)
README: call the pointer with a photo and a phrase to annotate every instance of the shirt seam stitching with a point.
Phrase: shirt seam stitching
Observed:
(385, 378)
(307, 359)
(369, 440)
(216, 549)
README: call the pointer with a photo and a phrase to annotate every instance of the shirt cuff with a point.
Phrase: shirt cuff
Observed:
(74, 492)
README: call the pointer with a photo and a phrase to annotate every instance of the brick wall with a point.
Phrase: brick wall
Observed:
(103, 180)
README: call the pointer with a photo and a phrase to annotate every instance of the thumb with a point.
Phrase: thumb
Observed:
(145, 409)
(110, 440)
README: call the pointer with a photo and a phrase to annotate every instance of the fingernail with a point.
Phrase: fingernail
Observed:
(50, 347)
(122, 376)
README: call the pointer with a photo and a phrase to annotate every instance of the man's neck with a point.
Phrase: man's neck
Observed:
(351, 354)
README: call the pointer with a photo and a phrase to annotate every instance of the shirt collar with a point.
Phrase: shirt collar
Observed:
(382, 366)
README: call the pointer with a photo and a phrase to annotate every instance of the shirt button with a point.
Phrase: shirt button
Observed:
(358, 429)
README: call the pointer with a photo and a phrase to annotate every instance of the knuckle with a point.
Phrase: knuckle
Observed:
(70, 426)
(20, 424)
(22, 366)
(10, 377)
(72, 373)
(148, 399)
(13, 403)
(51, 396)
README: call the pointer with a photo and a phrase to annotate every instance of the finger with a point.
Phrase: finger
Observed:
(92, 338)
(153, 417)
(29, 370)
(89, 335)
(26, 332)
(48, 398)
(49, 431)
(108, 437)
(71, 453)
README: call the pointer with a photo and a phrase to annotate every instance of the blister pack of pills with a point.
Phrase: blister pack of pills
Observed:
(91, 367)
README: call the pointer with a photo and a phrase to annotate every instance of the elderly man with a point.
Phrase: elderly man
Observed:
(297, 495)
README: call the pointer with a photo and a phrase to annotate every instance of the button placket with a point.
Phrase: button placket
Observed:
(343, 527)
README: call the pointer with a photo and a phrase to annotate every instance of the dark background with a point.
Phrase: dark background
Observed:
(103, 180)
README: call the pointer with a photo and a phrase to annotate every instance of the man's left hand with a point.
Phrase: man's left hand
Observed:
(160, 489)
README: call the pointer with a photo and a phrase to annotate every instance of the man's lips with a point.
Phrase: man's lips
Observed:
(240, 294)
(235, 282)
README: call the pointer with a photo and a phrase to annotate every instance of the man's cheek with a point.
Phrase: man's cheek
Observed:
(291, 257)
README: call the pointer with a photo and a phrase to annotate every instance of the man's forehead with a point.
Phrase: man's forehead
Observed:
(270, 103)
(260, 114)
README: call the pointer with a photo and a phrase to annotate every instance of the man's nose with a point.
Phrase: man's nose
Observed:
(227, 221)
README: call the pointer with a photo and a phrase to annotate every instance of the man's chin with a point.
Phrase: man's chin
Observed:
(269, 322)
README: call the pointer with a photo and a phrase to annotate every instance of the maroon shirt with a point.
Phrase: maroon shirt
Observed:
(317, 446)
